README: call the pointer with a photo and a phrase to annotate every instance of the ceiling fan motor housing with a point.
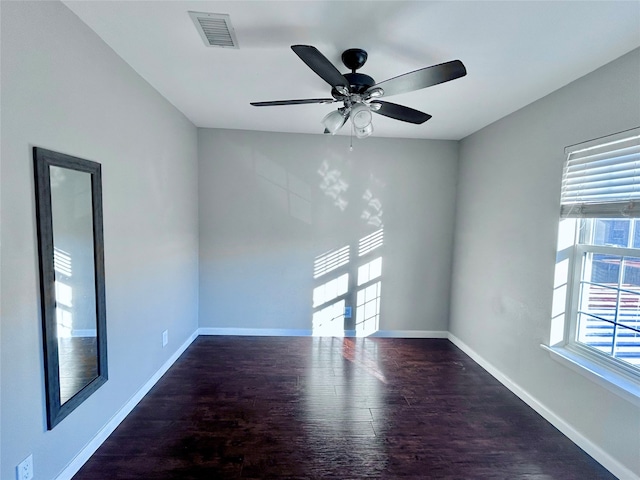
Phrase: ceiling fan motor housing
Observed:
(359, 82)
(353, 59)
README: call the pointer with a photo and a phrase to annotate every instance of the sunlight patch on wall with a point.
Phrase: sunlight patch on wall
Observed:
(352, 285)
(370, 242)
(331, 290)
(372, 213)
(333, 185)
(368, 310)
(329, 321)
(327, 262)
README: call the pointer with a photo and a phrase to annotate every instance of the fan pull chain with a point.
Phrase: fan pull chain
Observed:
(351, 139)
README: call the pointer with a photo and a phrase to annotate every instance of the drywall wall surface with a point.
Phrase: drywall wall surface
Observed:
(63, 89)
(505, 245)
(271, 203)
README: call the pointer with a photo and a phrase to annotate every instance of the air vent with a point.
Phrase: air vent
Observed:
(215, 29)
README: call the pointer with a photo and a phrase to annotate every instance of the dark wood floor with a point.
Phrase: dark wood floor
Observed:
(315, 408)
(78, 364)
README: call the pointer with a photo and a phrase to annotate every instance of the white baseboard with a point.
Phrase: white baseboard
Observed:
(87, 332)
(74, 466)
(256, 332)
(606, 460)
(279, 332)
(410, 334)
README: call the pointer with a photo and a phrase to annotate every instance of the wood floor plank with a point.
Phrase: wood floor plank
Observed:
(331, 408)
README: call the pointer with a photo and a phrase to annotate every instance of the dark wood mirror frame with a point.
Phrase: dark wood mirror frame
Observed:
(43, 161)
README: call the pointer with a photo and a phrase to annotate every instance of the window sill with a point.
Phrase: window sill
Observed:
(594, 371)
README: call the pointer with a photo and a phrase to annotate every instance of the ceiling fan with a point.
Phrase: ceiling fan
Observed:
(360, 94)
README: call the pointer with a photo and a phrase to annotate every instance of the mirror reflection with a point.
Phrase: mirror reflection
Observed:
(73, 254)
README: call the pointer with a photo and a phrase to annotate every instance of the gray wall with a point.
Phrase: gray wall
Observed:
(506, 226)
(65, 90)
(270, 203)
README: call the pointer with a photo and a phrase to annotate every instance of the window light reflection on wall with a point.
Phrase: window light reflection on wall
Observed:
(336, 291)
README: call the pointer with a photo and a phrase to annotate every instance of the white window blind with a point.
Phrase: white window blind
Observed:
(602, 178)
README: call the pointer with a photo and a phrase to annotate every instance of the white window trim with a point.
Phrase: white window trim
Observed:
(615, 375)
(595, 371)
(573, 299)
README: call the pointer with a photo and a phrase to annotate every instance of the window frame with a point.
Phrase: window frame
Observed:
(618, 376)
(576, 265)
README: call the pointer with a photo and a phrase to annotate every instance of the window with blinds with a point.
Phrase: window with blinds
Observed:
(602, 178)
(596, 300)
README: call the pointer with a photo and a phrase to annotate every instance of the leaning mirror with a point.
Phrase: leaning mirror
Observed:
(69, 219)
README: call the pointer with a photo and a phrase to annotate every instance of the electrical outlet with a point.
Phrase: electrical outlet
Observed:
(165, 338)
(24, 471)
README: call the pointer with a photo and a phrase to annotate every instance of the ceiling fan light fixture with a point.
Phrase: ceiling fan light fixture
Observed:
(376, 92)
(361, 116)
(334, 121)
(364, 132)
(344, 91)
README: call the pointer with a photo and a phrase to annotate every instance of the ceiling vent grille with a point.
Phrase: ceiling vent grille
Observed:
(215, 29)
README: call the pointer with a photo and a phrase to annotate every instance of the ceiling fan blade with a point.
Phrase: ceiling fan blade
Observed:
(319, 64)
(293, 102)
(422, 78)
(400, 112)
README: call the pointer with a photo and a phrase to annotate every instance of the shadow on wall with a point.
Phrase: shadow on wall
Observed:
(290, 193)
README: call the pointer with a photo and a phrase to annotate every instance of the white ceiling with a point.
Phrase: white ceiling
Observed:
(515, 53)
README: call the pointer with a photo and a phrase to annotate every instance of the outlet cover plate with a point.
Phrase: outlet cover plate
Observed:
(24, 471)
